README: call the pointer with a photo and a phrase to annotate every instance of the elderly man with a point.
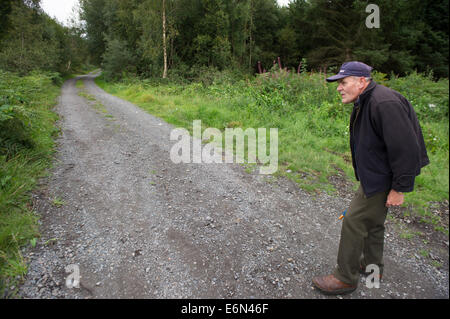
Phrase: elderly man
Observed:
(388, 151)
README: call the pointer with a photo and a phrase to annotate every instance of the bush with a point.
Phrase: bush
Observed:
(14, 114)
(117, 60)
(429, 98)
(20, 110)
(26, 142)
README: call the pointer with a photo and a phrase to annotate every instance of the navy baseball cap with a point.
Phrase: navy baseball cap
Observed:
(353, 68)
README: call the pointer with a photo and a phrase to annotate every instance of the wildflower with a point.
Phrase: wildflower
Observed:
(431, 105)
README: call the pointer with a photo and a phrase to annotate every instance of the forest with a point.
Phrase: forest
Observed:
(236, 34)
(181, 37)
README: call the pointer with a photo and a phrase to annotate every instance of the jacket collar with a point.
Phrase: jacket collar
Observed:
(366, 93)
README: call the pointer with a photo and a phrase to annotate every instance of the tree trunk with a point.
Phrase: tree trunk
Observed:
(347, 55)
(164, 38)
(171, 52)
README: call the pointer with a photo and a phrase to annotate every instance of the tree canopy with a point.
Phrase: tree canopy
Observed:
(31, 40)
(413, 34)
(146, 36)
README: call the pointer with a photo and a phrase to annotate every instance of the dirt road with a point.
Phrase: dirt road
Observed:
(139, 226)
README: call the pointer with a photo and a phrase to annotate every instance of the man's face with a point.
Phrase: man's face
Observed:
(350, 88)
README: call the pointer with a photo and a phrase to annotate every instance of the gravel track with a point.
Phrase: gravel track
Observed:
(139, 226)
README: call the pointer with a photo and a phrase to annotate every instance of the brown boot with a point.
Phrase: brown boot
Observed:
(330, 285)
(362, 271)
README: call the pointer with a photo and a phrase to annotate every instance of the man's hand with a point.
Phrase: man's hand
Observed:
(394, 198)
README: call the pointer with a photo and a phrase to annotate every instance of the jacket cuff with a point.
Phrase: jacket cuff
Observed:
(404, 183)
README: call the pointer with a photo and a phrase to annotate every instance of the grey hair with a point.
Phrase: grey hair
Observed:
(367, 79)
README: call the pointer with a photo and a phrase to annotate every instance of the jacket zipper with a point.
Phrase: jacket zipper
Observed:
(353, 133)
(353, 137)
(354, 121)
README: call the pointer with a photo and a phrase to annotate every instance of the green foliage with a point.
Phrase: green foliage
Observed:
(26, 143)
(409, 38)
(17, 111)
(117, 60)
(230, 34)
(92, 12)
(429, 98)
(31, 40)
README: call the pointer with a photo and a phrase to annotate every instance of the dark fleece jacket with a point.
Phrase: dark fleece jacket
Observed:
(388, 149)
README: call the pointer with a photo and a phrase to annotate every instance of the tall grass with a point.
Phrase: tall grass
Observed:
(26, 144)
(311, 120)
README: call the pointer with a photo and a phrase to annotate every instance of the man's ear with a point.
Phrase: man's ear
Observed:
(361, 82)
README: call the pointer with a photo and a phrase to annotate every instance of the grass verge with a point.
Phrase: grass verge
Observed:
(27, 131)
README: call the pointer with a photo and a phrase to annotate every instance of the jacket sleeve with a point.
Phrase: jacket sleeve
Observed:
(393, 122)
